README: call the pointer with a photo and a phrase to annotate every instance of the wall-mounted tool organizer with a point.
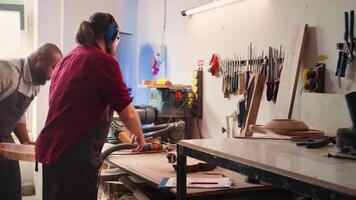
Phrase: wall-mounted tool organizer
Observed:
(195, 97)
(346, 48)
(288, 82)
(236, 72)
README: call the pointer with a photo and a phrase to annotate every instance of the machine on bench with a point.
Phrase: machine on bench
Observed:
(167, 116)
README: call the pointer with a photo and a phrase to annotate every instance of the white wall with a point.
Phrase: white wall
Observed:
(57, 22)
(229, 29)
(124, 12)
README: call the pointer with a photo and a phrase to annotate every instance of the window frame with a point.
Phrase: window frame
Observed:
(16, 8)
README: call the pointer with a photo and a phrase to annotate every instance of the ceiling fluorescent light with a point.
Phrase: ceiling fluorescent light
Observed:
(212, 5)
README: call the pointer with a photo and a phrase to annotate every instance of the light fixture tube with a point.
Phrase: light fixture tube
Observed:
(212, 5)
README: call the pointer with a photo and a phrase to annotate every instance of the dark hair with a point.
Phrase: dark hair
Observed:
(96, 28)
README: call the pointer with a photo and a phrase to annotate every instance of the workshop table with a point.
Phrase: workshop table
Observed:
(281, 163)
(152, 167)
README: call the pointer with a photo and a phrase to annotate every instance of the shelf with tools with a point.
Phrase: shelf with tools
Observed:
(236, 72)
(247, 77)
(177, 86)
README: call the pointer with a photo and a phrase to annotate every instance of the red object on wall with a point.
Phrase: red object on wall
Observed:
(214, 63)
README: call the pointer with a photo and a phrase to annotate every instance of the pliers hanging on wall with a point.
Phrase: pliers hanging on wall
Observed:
(346, 53)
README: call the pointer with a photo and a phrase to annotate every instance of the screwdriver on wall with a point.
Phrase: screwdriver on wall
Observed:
(269, 83)
(248, 66)
(241, 77)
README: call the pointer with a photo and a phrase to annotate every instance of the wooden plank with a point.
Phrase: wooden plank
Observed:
(257, 129)
(290, 73)
(299, 134)
(258, 81)
(153, 167)
(289, 135)
(12, 151)
(286, 159)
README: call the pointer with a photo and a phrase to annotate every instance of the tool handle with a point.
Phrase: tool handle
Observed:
(242, 113)
(225, 87)
(275, 90)
(236, 82)
(247, 79)
(352, 16)
(241, 84)
(269, 90)
(346, 35)
(338, 67)
(352, 37)
(343, 64)
(233, 83)
(229, 84)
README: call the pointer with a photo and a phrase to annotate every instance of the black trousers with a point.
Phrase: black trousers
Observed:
(72, 177)
(10, 180)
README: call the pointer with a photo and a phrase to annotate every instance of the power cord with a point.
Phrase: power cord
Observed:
(200, 134)
(109, 151)
(180, 108)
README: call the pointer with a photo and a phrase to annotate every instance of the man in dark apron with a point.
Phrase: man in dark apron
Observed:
(19, 84)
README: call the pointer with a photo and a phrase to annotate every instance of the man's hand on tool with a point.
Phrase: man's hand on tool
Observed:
(140, 141)
(132, 122)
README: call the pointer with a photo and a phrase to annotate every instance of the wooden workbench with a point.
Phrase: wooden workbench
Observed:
(14, 151)
(152, 167)
(281, 163)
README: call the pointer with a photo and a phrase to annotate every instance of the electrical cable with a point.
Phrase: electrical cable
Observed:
(109, 151)
(159, 132)
(185, 101)
(117, 147)
(200, 134)
(164, 23)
